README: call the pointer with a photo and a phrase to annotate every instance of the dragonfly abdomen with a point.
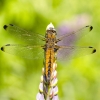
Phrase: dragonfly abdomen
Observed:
(49, 60)
(48, 69)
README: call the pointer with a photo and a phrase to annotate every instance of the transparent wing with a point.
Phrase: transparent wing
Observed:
(70, 38)
(21, 34)
(69, 52)
(25, 51)
(69, 41)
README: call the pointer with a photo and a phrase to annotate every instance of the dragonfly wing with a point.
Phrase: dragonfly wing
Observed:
(21, 34)
(69, 52)
(70, 38)
(25, 51)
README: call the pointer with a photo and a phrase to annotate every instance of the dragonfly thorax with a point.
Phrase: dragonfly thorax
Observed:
(50, 39)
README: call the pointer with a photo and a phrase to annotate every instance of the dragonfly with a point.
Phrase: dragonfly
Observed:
(50, 46)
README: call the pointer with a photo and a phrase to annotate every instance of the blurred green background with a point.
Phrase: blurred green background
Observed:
(78, 79)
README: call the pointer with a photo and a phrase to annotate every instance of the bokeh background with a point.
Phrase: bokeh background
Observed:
(78, 79)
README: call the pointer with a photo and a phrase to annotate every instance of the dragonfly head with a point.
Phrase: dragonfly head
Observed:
(50, 29)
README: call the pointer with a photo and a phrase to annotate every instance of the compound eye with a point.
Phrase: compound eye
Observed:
(53, 31)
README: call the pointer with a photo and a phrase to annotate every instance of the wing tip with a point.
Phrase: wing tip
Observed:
(94, 50)
(90, 27)
(2, 48)
(5, 27)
